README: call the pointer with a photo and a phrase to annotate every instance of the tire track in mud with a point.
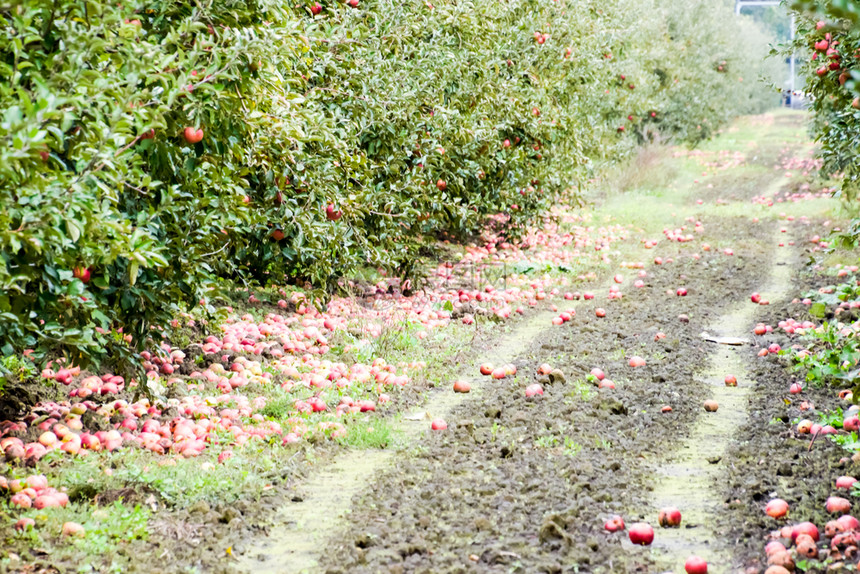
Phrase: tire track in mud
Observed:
(297, 532)
(300, 529)
(294, 537)
(522, 484)
(689, 477)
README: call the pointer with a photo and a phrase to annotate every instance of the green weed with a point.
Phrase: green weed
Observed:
(571, 447)
(364, 434)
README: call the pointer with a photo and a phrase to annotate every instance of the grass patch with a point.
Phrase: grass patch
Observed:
(369, 434)
(279, 407)
(647, 170)
(178, 482)
(582, 390)
(109, 530)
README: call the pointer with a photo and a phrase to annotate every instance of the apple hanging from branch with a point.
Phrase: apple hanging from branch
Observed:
(192, 135)
(332, 213)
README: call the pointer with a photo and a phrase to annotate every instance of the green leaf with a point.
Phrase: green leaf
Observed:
(133, 269)
(818, 310)
(73, 229)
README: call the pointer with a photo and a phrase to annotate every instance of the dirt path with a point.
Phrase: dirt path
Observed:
(687, 479)
(523, 484)
(301, 527)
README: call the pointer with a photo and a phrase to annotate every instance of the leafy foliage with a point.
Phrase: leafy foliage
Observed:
(332, 137)
(830, 31)
(834, 356)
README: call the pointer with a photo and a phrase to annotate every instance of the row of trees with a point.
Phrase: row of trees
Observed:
(154, 149)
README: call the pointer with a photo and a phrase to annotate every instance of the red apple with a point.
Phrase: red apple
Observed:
(438, 424)
(193, 136)
(776, 508)
(845, 482)
(22, 500)
(837, 505)
(804, 528)
(696, 565)
(534, 390)
(462, 387)
(614, 524)
(641, 533)
(332, 213)
(848, 522)
(669, 517)
(81, 273)
(441, 185)
(773, 547)
(73, 529)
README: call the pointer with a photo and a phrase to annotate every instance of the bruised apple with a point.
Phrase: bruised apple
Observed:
(614, 524)
(669, 517)
(838, 505)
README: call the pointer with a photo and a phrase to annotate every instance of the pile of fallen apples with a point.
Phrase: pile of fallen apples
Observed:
(293, 345)
(803, 541)
(34, 492)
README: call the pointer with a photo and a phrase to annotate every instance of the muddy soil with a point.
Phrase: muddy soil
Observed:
(769, 458)
(522, 484)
